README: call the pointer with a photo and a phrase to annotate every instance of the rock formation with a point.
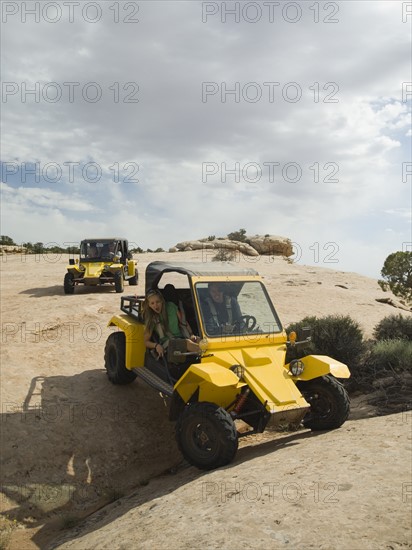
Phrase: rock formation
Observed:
(272, 245)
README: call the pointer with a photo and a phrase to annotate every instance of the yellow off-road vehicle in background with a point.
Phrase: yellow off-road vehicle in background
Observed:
(239, 374)
(102, 261)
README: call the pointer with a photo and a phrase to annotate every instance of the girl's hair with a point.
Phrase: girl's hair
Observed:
(150, 317)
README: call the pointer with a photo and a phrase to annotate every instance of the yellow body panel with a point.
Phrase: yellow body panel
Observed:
(135, 347)
(131, 268)
(91, 271)
(216, 384)
(264, 372)
(319, 365)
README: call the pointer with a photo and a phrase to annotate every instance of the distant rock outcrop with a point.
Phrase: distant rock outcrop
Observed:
(272, 245)
(253, 246)
(12, 249)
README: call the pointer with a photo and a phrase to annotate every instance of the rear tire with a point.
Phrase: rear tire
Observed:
(329, 403)
(206, 435)
(133, 280)
(114, 360)
(118, 281)
(68, 283)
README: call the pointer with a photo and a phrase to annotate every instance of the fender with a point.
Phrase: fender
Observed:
(319, 365)
(133, 330)
(131, 268)
(75, 269)
(216, 384)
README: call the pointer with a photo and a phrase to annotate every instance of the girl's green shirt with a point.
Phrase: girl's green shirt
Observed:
(173, 320)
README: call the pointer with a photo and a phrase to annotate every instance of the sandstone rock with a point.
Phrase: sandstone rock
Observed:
(173, 249)
(12, 249)
(272, 245)
(244, 248)
(217, 244)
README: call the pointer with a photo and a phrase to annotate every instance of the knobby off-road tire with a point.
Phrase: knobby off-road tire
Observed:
(329, 403)
(118, 281)
(114, 359)
(206, 435)
(133, 280)
(68, 283)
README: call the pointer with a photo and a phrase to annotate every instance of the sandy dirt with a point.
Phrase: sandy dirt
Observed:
(72, 442)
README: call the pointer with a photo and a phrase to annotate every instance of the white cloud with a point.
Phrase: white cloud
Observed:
(361, 140)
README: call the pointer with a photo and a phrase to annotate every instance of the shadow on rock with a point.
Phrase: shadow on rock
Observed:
(77, 443)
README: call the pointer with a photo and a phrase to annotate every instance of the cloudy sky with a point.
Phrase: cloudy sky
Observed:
(167, 121)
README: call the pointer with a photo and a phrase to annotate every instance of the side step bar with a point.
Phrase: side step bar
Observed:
(154, 381)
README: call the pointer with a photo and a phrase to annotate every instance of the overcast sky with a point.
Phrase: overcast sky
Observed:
(174, 120)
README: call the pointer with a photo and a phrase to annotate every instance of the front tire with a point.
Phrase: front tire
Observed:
(329, 403)
(114, 360)
(68, 283)
(206, 435)
(118, 281)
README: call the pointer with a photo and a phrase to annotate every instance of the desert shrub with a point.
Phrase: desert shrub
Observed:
(4, 239)
(211, 238)
(392, 356)
(159, 250)
(336, 335)
(237, 235)
(394, 327)
(340, 337)
(224, 255)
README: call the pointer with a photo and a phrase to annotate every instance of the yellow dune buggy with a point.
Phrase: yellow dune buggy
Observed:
(102, 261)
(239, 374)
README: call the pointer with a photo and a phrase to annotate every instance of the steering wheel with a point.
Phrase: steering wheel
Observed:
(249, 322)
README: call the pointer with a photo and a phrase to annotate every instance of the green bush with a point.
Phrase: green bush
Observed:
(394, 327)
(389, 356)
(397, 274)
(338, 336)
(237, 235)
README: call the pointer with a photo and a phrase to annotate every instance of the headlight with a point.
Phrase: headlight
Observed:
(296, 367)
(238, 370)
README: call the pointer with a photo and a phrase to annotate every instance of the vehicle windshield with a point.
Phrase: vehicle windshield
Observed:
(236, 308)
(99, 250)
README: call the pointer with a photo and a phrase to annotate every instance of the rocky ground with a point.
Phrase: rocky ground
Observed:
(72, 443)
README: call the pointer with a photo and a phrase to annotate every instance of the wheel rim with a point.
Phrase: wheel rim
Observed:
(202, 439)
(320, 404)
